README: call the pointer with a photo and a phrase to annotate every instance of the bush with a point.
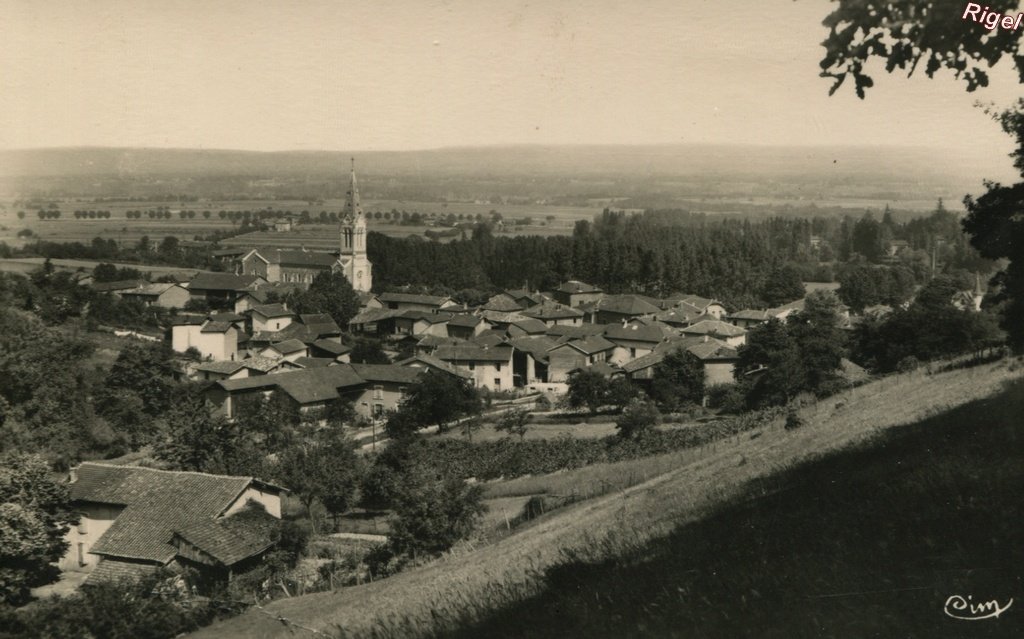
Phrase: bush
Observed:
(793, 420)
(908, 364)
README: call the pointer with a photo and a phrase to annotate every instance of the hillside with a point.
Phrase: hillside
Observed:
(471, 585)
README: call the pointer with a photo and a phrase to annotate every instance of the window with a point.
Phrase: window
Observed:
(497, 367)
(81, 554)
(472, 366)
(378, 392)
(378, 411)
(497, 382)
(632, 352)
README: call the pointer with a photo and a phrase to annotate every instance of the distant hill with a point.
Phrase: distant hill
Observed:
(812, 163)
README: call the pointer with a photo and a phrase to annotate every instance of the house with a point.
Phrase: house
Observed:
(321, 326)
(569, 355)
(283, 225)
(330, 348)
(421, 323)
(748, 318)
(429, 362)
(632, 341)
(118, 287)
(216, 340)
(270, 317)
(512, 300)
(680, 315)
(526, 326)
(705, 305)
(416, 302)
(574, 293)
(164, 295)
(134, 520)
(222, 289)
(214, 371)
(718, 358)
(373, 389)
(289, 349)
(554, 314)
(730, 334)
(530, 359)
(619, 308)
(465, 326)
(491, 366)
(264, 294)
(377, 322)
(784, 312)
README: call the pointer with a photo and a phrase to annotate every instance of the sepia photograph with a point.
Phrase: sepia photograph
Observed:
(497, 319)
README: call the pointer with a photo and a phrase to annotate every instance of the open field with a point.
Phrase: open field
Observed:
(29, 264)
(471, 583)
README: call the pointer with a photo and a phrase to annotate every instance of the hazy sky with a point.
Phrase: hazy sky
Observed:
(407, 74)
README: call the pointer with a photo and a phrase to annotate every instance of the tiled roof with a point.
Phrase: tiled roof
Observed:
(156, 503)
(574, 286)
(714, 327)
(121, 285)
(588, 345)
(488, 338)
(703, 347)
(501, 317)
(576, 331)
(226, 368)
(320, 324)
(425, 316)
(635, 333)
(429, 341)
(151, 290)
(473, 353)
(225, 316)
(305, 386)
(289, 346)
(229, 540)
(413, 298)
(536, 345)
(552, 311)
(371, 315)
(216, 327)
(113, 570)
(314, 259)
(796, 306)
(222, 282)
(531, 326)
(314, 362)
(503, 303)
(626, 305)
(332, 347)
(272, 310)
(464, 320)
(386, 373)
(429, 361)
(750, 314)
(261, 364)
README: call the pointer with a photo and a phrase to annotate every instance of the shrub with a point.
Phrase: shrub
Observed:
(793, 420)
(908, 364)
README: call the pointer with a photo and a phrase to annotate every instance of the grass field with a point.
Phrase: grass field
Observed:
(471, 584)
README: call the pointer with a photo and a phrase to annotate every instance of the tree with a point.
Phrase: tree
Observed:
(329, 293)
(437, 398)
(637, 418)
(819, 339)
(433, 511)
(678, 380)
(515, 422)
(903, 35)
(587, 388)
(34, 516)
(772, 354)
(325, 469)
(783, 285)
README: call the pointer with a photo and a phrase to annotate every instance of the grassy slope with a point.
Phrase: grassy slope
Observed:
(419, 601)
(864, 543)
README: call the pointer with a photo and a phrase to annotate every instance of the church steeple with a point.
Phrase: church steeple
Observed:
(353, 260)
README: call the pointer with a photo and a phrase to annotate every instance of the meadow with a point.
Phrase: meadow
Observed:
(473, 583)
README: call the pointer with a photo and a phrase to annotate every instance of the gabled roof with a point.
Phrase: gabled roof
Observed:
(531, 326)
(314, 362)
(588, 345)
(473, 353)
(386, 373)
(501, 317)
(602, 368)
(750, 314)
(429, 361)
(225, 316)
(626, 305)
(260, 363)
(332, 347)
(635, 333)
(222, 282)
(288, 346)
(464, 320)
(536, 345)
(227, 368)
(504, 302)
(704, 348)
(490, 337)
(794, 306)
(231, 539)
(552, 311)
(575, 286)
(152, 290)
(413, 298)
(701, 303)
(576, 331)
(714, 327)
(305, 386)
(372, 315)
(120, 285)
(429, 341)
(320, 324)
(425, 316)
(216, 327)
(272, 310)
(156, 504)
(309, 259)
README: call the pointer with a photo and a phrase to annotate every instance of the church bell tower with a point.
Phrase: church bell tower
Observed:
(353, 260)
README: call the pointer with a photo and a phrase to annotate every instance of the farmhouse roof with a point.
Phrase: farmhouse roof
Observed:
(576, 331)
(371, 315)
(320, 324)
(386, 373)
(314, 362)
(575, 286)
(626, 305)
(536, 345)
(151, 290)
(635, 333)
(298, 258)
(289, 346)
(552, 312)
(216, 327)
(305, 386)
(588, 345)
(750, 314)
(231, 539)
(504, 302)
(429, 361)
(272, 310)
(714, 327)
(531, 325)
(472, 353)
(465, 320)
(156, 504)
(120, 285)
(226, 368)
(414, 298)
(222, 282)
(332, 347)
(426, 316)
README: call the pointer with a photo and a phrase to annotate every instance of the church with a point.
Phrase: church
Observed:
(301, 266)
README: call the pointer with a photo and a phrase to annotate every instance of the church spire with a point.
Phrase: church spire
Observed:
(353, 209)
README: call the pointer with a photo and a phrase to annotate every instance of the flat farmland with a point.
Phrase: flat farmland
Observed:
(545, 220)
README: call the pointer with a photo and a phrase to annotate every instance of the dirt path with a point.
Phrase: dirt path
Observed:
(718, 472)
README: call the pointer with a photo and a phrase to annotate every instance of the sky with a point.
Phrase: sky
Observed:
(416, 74)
